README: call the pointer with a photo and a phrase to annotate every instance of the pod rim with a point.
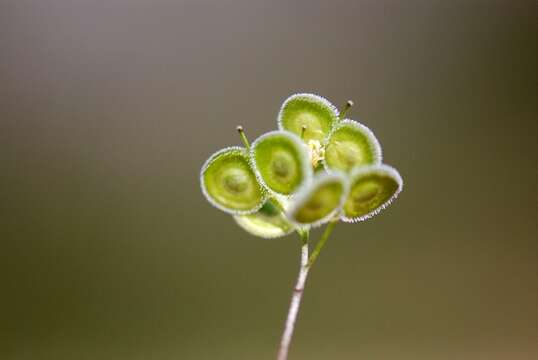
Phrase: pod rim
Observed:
(303, 150)
(381, 169)
(304, 95)
(251, 230)
(242, 151)
(375, 146)
(302, 197)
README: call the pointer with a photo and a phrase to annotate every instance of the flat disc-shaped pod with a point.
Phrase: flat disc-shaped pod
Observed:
(313, 112)
(229, 183)
(281, 162)
(372, 188)
(268, 222)
(351, 144)
(319, 201)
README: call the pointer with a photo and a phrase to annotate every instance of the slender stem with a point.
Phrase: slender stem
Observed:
(306, 264)
(303, 129)
(347, 106)
(276, 203)
(328, 230)
(295, 301)
(241, 132)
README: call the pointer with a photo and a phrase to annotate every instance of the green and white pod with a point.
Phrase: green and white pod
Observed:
(268, 222)
(319, 201)
(314, 112)
(350, 145)
(281, 162)
(229, 182)
(372, 189)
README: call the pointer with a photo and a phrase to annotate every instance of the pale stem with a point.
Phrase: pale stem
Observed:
(295, 302)
(306, 264)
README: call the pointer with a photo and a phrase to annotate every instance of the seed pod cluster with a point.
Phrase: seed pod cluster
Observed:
(316, 168)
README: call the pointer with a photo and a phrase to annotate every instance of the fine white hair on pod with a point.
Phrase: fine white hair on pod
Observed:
(383, 170)
(302, 151)
(305, 193)
(374, 147)
(264, 229)
(211, 160)
(306, 96)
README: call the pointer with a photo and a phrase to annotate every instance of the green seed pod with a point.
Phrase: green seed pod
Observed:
(281, 162)
(315, 113)
(269, 222)
(229, 183)
(351, 144)
(319, 201)
(372, 189)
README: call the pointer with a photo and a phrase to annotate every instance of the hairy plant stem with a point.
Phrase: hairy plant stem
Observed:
(306, 264)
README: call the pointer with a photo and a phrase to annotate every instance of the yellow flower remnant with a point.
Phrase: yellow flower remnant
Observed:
(316, 152)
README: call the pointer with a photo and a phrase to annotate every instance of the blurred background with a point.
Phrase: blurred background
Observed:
(108, 109)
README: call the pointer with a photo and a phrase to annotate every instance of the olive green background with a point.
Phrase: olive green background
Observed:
(108, 109)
